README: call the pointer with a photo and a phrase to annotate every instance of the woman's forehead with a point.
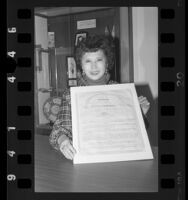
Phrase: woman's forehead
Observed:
(97, 53)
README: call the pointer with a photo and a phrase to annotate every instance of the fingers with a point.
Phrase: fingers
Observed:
(144, 103)
(143, 100)
(68, 150)
(140, 97)
(72, 149)
(68, 153)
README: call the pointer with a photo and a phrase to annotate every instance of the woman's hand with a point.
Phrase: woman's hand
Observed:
(144, 103)
(67, 149)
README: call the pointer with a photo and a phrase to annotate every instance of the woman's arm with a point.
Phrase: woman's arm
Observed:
(62, 128)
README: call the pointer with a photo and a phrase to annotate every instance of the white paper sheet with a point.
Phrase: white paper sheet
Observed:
(107, 124)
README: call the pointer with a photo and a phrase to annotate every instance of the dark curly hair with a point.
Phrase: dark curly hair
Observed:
(92, 44)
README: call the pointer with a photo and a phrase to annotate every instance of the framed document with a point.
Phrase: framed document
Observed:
(71, 67)
(79, 37)
(107, 124)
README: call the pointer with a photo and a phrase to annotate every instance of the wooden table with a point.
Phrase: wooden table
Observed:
(54, 173)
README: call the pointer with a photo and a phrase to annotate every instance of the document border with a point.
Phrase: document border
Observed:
(80, 158)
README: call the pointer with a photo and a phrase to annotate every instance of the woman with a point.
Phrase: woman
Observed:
(94, 57)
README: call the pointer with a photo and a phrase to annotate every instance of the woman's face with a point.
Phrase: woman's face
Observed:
(94, 64)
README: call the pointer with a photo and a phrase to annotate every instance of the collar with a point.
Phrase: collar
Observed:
(85, 81)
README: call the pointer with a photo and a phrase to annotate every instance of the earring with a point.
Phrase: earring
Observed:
(106, 71)
(83, 73)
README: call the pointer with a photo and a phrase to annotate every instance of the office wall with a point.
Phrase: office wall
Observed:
(145, 53)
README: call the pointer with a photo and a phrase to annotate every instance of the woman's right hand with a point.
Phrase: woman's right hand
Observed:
(67, 149)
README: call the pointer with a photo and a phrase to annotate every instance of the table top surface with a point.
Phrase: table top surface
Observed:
(55, 173)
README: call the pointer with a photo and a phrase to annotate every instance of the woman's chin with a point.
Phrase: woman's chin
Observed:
(94, 78)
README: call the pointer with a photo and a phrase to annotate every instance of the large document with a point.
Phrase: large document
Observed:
(107, 124)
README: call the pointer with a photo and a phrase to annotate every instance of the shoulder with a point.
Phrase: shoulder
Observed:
(66, 94)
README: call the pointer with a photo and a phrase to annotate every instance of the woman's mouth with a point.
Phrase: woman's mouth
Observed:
(94, 72)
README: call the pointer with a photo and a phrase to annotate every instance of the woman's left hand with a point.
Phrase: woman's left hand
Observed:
(144, 103)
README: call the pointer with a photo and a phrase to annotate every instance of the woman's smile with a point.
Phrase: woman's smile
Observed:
(94, 72)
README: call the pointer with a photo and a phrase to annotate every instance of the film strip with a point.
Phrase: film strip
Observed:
(20, 101)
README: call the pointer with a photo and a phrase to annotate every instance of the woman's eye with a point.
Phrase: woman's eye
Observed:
(100, 59)
(87, 61)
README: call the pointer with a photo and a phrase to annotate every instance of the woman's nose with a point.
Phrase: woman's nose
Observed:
(93, 65)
